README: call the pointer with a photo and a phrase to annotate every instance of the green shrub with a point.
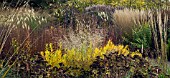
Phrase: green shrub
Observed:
(141, 37)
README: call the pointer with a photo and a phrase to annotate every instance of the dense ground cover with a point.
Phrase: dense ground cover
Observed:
(84, 39)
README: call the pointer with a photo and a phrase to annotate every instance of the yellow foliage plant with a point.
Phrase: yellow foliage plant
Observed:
(84, 57)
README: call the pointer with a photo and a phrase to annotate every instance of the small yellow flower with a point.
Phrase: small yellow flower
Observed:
(136, 53)
(50, 46)
(96, 51)
(126, 53)
(132, 55)
(120, 47)
(42, 54)
(51, 27)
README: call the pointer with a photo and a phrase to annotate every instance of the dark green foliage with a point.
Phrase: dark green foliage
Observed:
(141, 37)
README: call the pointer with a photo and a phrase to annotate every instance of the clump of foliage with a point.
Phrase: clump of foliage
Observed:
(22, 64)
(34, 66)
(114, 65)
(76, 40)
(22, 17)
(82, 58)
(141, 37)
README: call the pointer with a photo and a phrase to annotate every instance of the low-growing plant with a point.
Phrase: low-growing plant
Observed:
(82, 58)
(114, 65)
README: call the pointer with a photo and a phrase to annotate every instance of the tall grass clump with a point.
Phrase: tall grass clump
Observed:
(159, 21)
(24, 21)
(75, 40)
(126, 19)
(16, 24)
(22, 18)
